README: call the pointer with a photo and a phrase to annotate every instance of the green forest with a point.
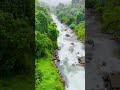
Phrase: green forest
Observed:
(28, 39)
(16, 44)
(46, 33)
(73, 15)
(108, 12)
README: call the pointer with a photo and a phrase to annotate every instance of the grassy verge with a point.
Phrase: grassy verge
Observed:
(50, 78)
(17, 82)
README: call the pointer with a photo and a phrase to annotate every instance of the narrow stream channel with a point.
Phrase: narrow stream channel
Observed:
(70, 50)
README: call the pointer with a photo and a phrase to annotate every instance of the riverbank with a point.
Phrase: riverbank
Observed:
(50, 79)
(70, 49)
(73, 15)
(102, 54)
(46, 73)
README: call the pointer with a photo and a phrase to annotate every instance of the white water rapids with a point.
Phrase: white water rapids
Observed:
(70, 50)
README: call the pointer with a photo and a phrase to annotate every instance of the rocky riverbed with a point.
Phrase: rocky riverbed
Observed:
(70, 57)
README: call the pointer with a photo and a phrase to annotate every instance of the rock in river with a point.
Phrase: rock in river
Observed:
(81, 60)
(72, 43)
(58, 60)
(67, 35)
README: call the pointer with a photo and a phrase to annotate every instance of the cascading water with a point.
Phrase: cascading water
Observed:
(70, 50)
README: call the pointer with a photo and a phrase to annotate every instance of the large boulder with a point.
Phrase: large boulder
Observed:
(58, 60)
(72, 43)
(67, 35)
(81, 60)
(65, 29)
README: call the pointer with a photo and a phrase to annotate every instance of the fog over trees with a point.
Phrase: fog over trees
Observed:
(55, 2)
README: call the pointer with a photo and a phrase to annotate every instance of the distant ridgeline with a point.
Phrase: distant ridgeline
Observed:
(108, 12)
(74, 16)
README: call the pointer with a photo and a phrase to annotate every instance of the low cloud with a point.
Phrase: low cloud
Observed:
(55, 2)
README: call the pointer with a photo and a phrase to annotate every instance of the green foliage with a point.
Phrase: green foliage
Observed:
(46, 34)
(80, 30)
(17, 44)
(90, 3)
(80, 17)
(108, 11)
(38, 76)
(42, 42)
(53, 33)
(49, 74)
(19, 82)
(74, 16)
(72, 26)
(41, 22)
(16, 37)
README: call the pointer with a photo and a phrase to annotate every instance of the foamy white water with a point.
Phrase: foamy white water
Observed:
(70, 50)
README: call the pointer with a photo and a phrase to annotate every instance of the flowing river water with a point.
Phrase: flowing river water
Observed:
(70, 50)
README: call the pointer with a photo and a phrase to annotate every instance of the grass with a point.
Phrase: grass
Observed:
(17, 82)
(50, 77)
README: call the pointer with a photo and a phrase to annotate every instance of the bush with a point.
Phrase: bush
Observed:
(72, 26)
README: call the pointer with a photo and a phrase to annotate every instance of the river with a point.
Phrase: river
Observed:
(70, 50)
(101, 59)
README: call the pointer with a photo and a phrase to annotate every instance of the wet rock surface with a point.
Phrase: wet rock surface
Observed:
(72, 43)
(67, 35)
(81, 60)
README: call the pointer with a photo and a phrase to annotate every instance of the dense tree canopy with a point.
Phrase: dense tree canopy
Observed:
(46, 34)
(108, 12)
(16, 34)
(74, 16)
(17, 44)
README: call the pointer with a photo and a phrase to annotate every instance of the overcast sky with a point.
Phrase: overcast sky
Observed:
(55, 2)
